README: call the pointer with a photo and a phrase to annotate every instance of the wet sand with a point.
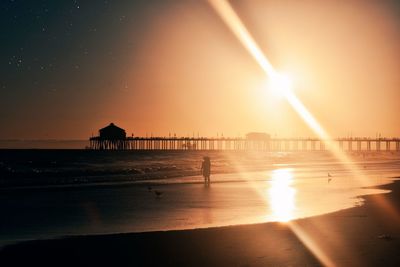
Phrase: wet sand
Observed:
(368, 235)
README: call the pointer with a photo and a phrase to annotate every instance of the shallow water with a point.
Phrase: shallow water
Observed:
(283, 190)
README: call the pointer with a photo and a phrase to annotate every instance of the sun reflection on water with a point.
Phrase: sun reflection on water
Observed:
(282, 195)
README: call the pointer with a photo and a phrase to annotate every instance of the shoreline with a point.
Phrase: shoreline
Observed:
(40, 168)
(367, 235)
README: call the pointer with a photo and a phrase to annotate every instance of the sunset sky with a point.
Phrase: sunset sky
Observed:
(69, 68)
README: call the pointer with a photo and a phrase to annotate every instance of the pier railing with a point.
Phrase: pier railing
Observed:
(222, 143)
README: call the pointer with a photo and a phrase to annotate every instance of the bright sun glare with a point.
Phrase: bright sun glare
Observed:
(280, 84)
(282, 195)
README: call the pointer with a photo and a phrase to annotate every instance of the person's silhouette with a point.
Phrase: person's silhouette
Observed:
(206, 170)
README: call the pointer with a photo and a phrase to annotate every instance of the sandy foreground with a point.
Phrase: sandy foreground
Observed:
(367, 235)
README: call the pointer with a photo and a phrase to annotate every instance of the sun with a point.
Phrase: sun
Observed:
(280, 84)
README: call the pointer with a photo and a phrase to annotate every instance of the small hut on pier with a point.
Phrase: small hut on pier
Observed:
(110, 137)
(112, 132)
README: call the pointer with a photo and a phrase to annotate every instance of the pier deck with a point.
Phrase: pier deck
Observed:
(272, 144)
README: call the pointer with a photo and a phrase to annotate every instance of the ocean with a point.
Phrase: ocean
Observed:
(48, 193)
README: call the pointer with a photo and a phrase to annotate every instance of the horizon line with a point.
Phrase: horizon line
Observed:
(199, 137)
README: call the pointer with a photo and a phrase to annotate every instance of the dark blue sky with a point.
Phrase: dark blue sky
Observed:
(57, 55)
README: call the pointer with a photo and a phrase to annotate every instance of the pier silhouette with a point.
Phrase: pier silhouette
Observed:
(114, 138)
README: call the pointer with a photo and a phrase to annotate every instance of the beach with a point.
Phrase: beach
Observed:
(49, 194)
(368, 235)
(200, 133)
(268, 209)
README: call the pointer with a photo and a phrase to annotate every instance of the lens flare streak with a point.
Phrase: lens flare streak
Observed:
(229, 16)
(232, 20)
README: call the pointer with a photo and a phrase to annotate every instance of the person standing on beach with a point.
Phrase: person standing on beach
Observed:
(206, 170)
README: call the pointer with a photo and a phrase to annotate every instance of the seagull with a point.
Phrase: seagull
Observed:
(329, 177)
(158, 193)
(384, 236)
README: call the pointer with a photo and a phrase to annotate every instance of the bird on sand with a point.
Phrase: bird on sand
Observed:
(329, 177)
(384, 236)
(158, 193)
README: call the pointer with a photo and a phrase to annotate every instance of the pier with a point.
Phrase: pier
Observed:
(113, 137)
(222, 143)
